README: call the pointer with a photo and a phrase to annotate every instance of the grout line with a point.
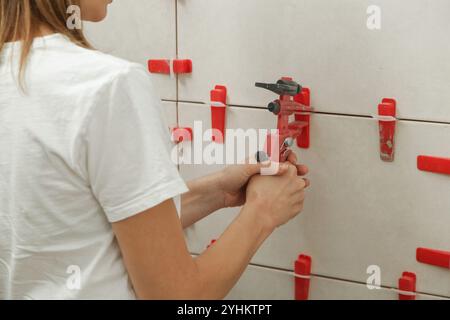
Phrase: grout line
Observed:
(319, 112)
(176, 27)
(291, 273)
(424, 121)
(176, 56)
(177, 106)
(183, 101)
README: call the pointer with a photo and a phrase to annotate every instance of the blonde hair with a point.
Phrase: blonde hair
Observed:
(20, 20)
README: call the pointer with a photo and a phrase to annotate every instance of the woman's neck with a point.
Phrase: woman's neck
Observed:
(42, 32)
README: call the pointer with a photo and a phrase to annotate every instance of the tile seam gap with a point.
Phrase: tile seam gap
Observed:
(318, 112)
(334, 278)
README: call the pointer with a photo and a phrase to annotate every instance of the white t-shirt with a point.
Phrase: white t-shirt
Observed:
(85, 146)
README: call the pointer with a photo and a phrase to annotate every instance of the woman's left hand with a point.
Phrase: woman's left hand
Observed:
(233, 179)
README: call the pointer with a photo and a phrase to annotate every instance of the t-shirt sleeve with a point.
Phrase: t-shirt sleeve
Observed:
(128, 149)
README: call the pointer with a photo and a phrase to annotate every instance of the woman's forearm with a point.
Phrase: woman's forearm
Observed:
(220, 267)
(204, 197)
(270, 203)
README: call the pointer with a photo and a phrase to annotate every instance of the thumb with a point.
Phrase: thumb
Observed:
(254, 165)
(252, 169)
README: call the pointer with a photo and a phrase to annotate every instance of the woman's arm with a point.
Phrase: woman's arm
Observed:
(205, 196)
(223, 189)
(160, 265)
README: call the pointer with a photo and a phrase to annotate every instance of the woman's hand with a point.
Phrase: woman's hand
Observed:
(233, 180)
(278, 199)
(226, 188)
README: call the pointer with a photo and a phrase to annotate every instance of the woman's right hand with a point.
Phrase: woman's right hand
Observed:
(279, 198)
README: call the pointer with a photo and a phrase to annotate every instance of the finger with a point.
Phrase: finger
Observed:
(283, 169)
(302, 169)
(253, 169)
(307, 183)
(264, 161)
(299, 186)
(292, 157)
(301, 183)
(253, 165)
(292, 170)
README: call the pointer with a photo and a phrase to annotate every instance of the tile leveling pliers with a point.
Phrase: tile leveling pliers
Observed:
(278, 146)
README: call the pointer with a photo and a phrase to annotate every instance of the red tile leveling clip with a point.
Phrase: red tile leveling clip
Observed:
(302, 270)
(218, 113)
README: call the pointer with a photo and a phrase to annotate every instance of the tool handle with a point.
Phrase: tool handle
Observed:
(282, 87)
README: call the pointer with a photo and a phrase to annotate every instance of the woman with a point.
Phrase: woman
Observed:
(87, 187)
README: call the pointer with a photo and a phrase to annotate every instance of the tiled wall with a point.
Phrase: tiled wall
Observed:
(360, 211)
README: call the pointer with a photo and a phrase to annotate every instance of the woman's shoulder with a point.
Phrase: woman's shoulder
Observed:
(96, 63)
(68, 72)
(85, 65)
